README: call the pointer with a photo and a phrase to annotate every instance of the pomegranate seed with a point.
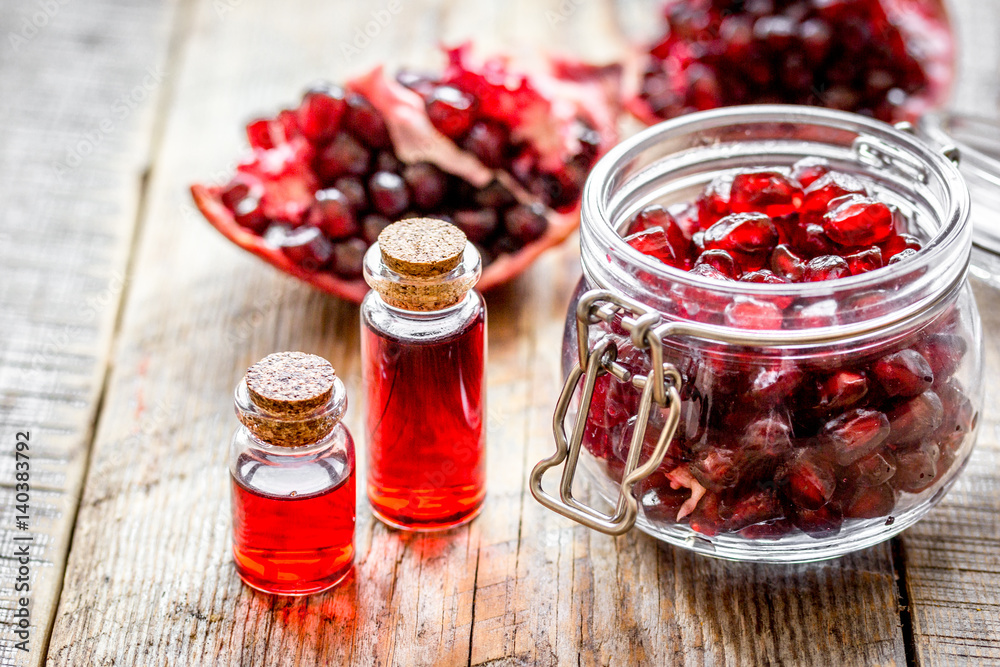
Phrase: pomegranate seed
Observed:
(810, 481)
(650, 217)
(494, 195)
(745, 232)
(770, 437)
(713, 203)
(825, 313)
(811, 241)
(768, 530)
(450, 111)
(916, 468)
(960, 417)
(856, 220)
(904, 373)
(873, 470)
(754, 508)
(817, 197)
(307, 247)
(903, 256)
(655, 243)
(765, 277)
(388, 193)
(372, 226)
(478, 224)
(826, 267)
(706, 518)
(823, 522)
(841, 390)
(856, 434)
(871, 502)
(719, 260)
(259, 134)
(526, 223)
(749, 313)
(487, 141)
(344, 156)
(788, 265)
(332, 213)
(365, 122)
(864, 261)
(768, 192)
(808, 170)
(916, 419)
(706, 271)
(386, 161)
(320, 113)
(944, 352)
(348, 258)
(774, 383)
(715, 468)
(354, 190)
(898, 243)
(243, 200)
(428, 184)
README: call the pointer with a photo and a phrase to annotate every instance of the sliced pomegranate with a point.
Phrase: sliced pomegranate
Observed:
(891, 59)
(501, 153)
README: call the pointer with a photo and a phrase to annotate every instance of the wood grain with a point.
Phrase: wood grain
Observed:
(81, 82)
(150, 578)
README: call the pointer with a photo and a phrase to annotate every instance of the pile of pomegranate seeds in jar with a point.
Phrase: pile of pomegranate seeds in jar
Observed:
(769, 226)
(770, 443)
(500, 153)
(889, 59)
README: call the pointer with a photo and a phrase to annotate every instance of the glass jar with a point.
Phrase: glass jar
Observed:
(711, 437)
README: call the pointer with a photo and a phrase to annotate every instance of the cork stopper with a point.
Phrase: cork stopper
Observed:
(289, 394)
(422, 252)
(421, 247)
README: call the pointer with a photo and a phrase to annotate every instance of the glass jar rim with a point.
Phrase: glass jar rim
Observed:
(595, 216)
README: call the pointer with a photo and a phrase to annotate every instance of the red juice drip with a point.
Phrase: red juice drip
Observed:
(292, 544)
(426, 432)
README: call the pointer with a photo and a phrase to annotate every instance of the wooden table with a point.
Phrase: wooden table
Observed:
(127, 321)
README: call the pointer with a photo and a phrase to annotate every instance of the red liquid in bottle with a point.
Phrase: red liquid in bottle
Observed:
(291, 544)
(426, 431)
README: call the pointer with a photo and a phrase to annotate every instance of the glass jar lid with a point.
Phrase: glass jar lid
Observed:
(978, 142)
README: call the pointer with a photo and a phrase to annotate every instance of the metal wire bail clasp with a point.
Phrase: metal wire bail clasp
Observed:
(660, 387)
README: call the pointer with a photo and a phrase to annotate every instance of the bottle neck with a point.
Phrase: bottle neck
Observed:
(422, 294)
(288, 432)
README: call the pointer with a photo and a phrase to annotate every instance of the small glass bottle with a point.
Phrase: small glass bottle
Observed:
(423, 356)
(293, 484)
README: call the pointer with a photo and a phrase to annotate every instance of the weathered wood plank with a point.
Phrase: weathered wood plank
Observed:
(81, 82)
(952, 557)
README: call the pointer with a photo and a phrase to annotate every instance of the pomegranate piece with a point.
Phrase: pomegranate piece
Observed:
(944, 353)
(656, 243)
(916, 468)
(787, 264)
(332, 213)
(873, 470)
(889, 60)
(307, 247)
(826, 267)
(754, 508)
(750, 313)
(830, 186)
(808, 170)
(856, 220)
(823, 522)
(768, 192)
(500, 152)
(916, 419)
(871, 502)
(720, 260)
(810, 481)
(864, 261)
(899, 243)
(772, 383)
(904, 373)
(742, 232)
(841, 390)
(320, 113)
(856, 434)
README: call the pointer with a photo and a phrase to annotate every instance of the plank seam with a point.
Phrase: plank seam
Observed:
(905, 615)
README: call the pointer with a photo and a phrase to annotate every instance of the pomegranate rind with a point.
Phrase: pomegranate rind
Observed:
(549, 101)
